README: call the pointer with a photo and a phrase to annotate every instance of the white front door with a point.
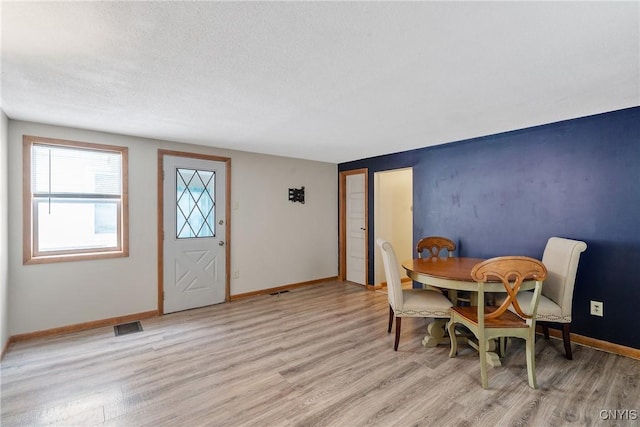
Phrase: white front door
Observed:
(194, 232)
(355, 200)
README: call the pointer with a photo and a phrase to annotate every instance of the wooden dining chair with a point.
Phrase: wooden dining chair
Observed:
(433, 246)
(491, 322)
(408, 302)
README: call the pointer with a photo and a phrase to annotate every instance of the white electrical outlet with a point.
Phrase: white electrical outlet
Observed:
(236, 274)
(597, 308)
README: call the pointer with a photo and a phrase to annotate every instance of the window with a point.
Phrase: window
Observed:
(195, 207)
(75, 200)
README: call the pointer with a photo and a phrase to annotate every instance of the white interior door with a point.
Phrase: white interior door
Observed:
(194, 233)
(355, 217)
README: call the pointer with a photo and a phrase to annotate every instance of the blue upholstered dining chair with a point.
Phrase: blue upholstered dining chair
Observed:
(408, 302)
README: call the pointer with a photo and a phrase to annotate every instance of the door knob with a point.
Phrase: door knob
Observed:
(221, 243)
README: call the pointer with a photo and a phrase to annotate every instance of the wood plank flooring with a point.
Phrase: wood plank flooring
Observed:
(314, 356)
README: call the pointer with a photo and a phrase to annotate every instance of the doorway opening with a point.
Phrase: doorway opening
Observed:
(393, 216)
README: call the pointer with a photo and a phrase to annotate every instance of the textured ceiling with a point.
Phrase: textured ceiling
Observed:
(329, 81)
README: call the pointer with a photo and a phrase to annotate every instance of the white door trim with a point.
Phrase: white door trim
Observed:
(160, 218)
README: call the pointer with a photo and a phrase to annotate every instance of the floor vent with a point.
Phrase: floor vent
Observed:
(279, 292)
(127, 328)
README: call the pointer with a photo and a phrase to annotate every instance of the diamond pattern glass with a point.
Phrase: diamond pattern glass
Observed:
(195, 203)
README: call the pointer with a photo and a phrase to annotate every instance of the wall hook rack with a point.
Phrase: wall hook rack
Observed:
(296, 195)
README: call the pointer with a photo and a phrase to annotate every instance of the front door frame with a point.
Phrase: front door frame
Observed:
(160, 214)
(342, 223)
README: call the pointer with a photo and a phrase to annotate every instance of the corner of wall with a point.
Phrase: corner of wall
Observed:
(4, 226)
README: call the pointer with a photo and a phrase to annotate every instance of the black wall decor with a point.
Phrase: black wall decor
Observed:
(296, 195)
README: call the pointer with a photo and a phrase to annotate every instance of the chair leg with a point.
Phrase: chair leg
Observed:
(566, 337)
(503, 346)
(390, 319)
(451, 328)
(398, 323)
(482, 349)
(545, 330)
(452, 295)
(531, 359)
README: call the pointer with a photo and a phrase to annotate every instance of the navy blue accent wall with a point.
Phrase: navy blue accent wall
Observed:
(506, 194)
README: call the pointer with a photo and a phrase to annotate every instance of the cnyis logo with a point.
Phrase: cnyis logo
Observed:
(618, 414)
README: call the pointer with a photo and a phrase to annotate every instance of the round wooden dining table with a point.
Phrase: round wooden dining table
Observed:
(453, 273)
(450, 273)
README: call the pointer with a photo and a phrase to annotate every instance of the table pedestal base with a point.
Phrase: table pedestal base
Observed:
(436, 334)
(493, 359)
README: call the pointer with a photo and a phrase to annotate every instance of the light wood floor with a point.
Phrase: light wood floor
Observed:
(315, 356)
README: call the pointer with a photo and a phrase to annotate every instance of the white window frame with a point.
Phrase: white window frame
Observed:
(31, 254)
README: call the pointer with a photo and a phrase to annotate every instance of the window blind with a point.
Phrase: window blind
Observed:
(68, 171)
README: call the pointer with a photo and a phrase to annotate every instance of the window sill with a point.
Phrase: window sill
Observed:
(47, 259)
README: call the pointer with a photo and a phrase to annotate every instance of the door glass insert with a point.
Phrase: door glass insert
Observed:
(195, 203)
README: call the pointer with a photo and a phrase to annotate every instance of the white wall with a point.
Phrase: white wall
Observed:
(274, 242)
(393, 215)
(4, 226)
